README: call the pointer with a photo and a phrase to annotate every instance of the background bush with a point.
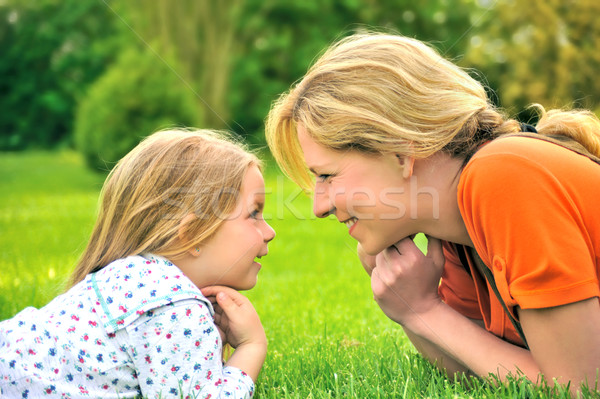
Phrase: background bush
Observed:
(237, 56)
(134, 98)
(50, 51)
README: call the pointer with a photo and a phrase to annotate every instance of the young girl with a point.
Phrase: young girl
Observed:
(180, 213)
(402, 141)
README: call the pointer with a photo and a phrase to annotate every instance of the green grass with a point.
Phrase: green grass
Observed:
(327, 337)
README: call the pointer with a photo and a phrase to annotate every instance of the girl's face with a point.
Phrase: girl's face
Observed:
(229, 257)
(369, 194)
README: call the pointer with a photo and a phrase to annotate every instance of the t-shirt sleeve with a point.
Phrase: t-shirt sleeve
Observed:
(177, 352)
(457, 288)
(528, 230)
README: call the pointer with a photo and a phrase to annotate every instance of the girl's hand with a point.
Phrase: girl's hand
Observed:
(405, 281)
(235, 317)
(239, 323)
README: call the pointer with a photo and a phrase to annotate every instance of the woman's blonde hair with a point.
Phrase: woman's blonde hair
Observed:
(168, 176)
(380, 93)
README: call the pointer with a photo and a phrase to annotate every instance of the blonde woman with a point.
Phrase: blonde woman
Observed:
(135, 321)
(401, 141)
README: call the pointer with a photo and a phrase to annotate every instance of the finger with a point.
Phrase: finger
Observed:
(380, 259)
(212, 300)
(406, 245)
(226, 302)
(388, 255)
(213, 290)
(367, 261)
(378, 287)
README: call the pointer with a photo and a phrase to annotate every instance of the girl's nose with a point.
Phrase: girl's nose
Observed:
(268, 233)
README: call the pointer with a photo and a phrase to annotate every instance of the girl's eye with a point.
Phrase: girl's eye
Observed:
(254, 214)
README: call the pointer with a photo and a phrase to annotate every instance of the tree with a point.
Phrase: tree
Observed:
(134, 98)
(541, 51)
(280, 39)
(199, 34)
(51, 50)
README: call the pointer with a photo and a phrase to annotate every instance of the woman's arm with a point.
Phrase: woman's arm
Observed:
(405, 282)
(431, 352)
(437, 357)
(447, 335)
(564, 341)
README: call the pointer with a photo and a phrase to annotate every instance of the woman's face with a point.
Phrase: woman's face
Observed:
(368, 193)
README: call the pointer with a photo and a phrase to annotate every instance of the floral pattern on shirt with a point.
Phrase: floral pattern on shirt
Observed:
(136, 327)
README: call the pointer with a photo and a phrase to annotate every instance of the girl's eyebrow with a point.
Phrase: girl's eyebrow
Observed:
(259, 203)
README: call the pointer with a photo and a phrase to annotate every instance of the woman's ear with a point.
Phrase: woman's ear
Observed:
(182, 233)
(406, 163)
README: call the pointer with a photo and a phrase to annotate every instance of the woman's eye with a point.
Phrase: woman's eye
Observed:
(254, 214)
(323, 178)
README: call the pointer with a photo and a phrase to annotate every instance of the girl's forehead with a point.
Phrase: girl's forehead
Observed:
(253, 184)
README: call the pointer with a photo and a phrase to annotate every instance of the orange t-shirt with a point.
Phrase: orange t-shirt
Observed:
(532, 210)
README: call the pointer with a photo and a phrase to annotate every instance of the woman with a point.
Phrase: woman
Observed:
(402, 141)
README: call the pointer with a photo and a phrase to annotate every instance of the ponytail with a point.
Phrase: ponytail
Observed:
(581, 126)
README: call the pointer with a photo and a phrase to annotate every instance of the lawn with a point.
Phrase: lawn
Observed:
(327, 337)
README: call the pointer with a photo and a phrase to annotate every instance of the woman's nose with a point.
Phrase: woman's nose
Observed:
(322, 206)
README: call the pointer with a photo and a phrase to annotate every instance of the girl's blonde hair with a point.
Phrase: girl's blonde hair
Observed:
(380, 93)
(168, 176)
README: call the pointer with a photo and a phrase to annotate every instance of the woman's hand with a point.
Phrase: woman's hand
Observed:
(405, 281)
(368, 261)
(235, 316)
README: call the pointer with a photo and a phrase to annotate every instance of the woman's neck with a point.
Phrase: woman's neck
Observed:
(439, 174)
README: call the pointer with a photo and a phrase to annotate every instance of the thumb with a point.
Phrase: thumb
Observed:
(224, 301)
(434, 250)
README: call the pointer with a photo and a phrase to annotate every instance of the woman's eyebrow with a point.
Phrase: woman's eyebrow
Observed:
(314, 172)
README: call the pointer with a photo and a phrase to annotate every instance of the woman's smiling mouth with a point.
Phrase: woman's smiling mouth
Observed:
(350, 223)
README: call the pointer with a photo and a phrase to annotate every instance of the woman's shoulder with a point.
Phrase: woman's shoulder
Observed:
(526, 158)
(530, 149)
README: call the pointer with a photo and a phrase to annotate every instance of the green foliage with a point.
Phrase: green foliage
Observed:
(51, 50)
(539, 52)
(136, 96)
(279, 39)
(238, 56)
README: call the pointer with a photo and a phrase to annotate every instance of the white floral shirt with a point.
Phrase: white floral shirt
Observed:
(138, 327)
